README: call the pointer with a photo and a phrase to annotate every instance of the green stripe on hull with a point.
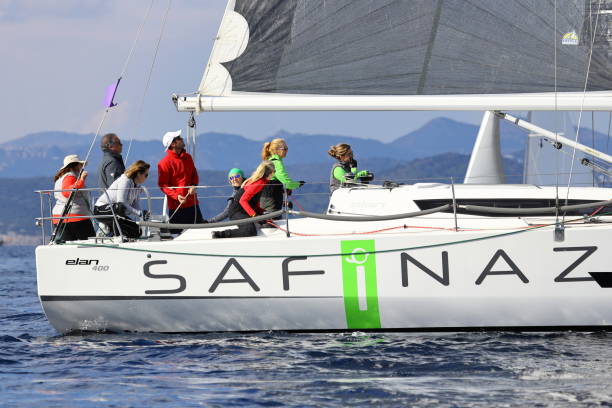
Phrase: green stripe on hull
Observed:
(360, 285)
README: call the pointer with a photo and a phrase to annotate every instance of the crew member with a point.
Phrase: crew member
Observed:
(272, 196)
(246, 202)
(111, 166)
(345, 170)
(178, 178)
(70, 177)
(124, 196)
(236, 178)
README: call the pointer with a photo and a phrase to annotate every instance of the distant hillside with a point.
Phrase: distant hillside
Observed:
(442, 167)
(455, 137)
(40, 154)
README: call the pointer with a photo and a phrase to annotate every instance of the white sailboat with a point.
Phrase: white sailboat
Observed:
(427, 256)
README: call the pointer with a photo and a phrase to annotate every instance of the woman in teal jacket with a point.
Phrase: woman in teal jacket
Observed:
(272, 195)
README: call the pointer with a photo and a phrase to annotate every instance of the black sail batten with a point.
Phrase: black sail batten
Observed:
(387, 47)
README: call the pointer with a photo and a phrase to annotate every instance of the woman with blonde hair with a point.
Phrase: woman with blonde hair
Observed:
(246, 202)
(124, 195)
(345, 170)
(272, 196)
(70, 177)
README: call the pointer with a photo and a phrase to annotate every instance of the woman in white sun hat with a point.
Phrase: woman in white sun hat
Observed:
(67, 178)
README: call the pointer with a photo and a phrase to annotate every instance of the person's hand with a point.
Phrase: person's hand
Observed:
(181, 199)
(191, 190)
(302, 182)
(362, 173)
(84, 175)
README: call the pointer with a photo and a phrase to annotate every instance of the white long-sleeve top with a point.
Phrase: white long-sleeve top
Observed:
(125, 191)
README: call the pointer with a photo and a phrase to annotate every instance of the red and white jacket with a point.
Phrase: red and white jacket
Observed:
(79, 202)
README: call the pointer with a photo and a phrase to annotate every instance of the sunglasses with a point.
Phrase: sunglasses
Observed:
(236, 177)
(146, 175)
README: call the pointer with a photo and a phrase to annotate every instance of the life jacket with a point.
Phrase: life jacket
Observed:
(273, 193)
(334, 183)
(79, 204)
(235, 206)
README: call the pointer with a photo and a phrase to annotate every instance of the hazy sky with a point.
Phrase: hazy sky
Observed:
(58, 56)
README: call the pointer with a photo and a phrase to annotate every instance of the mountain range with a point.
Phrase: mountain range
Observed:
(41, 154)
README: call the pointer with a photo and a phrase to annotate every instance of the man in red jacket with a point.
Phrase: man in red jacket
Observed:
(177, 170)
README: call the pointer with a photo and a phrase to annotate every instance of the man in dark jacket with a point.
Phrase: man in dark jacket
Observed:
(111, 166)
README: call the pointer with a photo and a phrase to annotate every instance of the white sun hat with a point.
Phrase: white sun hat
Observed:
(72, 158)
(169, 138)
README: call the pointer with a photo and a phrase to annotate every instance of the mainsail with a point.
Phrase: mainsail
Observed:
(410, 47)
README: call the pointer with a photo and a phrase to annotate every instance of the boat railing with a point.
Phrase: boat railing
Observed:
(162, 221)
(40, 221)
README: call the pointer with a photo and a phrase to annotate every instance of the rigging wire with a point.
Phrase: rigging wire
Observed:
(556, 125)
(586, 81)
(593, 141)
(142, 23)
(60, 223)
(123, 71)
(608, 138)
(144, 94)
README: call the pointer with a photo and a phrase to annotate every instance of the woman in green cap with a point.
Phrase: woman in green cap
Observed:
(236, 178)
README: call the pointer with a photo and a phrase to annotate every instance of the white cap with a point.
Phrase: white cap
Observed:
(71, 158)
(169, 137)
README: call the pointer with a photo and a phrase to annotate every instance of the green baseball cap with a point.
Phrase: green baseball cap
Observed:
(235, 171)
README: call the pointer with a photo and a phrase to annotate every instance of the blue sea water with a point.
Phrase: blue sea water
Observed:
(39, 368)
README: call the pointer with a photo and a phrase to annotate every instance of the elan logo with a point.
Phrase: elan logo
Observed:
(79, 261)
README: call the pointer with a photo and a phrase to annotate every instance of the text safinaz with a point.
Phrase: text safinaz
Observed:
(406, 261)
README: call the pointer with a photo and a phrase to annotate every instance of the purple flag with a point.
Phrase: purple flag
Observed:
(111, 90)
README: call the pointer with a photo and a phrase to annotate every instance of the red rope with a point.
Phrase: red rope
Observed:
(597, 210)
(298, 204)
(399, 227)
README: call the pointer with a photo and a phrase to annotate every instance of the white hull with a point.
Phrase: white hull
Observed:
(495, 277)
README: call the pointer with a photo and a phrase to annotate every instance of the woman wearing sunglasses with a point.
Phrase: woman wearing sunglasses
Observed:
(235, 177)
(124, 195)
(344, 171)
(272, 195)
(246, 202)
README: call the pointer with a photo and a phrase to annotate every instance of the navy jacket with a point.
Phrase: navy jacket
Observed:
(111, 167)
